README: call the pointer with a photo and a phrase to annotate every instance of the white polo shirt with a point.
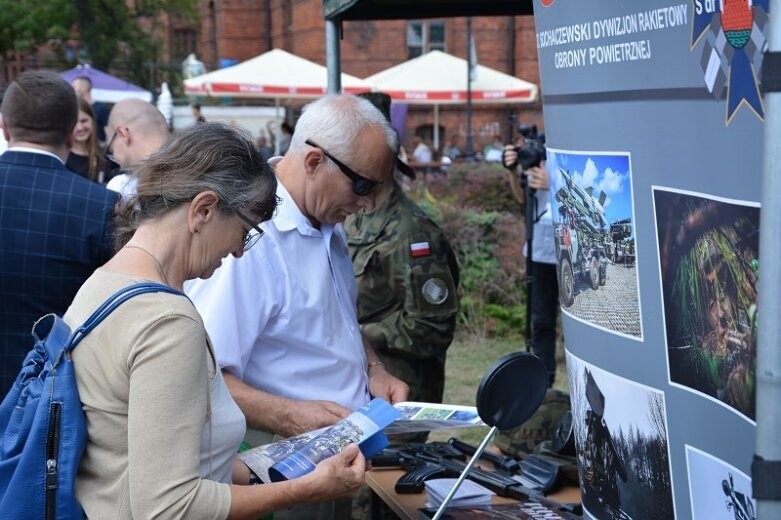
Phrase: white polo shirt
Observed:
(283, 317)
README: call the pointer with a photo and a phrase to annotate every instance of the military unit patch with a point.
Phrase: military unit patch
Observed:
(420, 249)
(435, 291)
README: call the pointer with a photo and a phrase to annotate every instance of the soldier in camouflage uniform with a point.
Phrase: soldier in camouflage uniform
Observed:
(407, 278)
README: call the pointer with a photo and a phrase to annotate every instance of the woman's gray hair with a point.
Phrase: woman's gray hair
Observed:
(205, 157)
(335, 121)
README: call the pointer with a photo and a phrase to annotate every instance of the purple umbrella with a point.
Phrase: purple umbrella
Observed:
(105, 87)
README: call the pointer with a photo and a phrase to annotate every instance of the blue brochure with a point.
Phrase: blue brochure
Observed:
(298, 456)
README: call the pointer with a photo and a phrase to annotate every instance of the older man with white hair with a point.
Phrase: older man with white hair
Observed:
(283, 321)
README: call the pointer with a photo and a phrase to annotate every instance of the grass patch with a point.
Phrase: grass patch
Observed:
(468, 359)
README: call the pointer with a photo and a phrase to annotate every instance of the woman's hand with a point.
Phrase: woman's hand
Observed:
(339, 476)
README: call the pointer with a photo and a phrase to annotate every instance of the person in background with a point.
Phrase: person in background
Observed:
(545, 288)
(136, 130)
(407, 277)
(197, 114)
(280, 139)
(283, 320)
(55, 226)
(493, 151)
(451, 150)
(265, 150)
(86, 157)
(420, 150)
(83, 87)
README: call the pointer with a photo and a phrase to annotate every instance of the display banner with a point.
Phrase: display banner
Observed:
(654, 122)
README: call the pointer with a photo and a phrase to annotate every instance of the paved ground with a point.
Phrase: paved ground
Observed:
(614, 305)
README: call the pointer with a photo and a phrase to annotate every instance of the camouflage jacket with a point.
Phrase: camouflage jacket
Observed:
(407, 278)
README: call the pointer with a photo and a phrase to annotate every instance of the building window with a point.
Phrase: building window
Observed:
(423, 37)
(185, 41)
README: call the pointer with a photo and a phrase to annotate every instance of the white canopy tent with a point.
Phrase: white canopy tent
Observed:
(437, 78)
(275, 74)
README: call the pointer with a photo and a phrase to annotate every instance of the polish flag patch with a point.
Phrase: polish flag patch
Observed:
(420, 249)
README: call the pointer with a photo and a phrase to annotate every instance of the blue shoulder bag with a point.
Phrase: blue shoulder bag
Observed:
(42, 426)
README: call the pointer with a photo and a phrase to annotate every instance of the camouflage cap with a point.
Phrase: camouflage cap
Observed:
(382, 101)
(540, 427)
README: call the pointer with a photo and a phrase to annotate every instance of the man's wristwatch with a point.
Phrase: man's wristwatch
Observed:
(371, 364)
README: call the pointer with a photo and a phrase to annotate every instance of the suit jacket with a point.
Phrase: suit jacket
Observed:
(55, 229)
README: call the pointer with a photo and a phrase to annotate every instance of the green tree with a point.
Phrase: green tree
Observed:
(114, 34)
(27, 24)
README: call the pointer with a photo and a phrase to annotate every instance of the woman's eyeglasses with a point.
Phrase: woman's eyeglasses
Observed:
(361, 185)
(250, 239)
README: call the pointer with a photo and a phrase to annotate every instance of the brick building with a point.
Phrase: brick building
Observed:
(236, 30)
(242, 29)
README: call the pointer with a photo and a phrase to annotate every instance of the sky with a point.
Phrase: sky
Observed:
(626, 402)
(608, 173)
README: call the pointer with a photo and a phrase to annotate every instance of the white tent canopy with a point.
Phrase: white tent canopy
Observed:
(437, 78)
(276, 74)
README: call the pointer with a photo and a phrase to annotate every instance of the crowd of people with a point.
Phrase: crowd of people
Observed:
(264, 340)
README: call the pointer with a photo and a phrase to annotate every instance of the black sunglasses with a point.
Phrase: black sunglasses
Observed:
(361, 185)
(249, 238)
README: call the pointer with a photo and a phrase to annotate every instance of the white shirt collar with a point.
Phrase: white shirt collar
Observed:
(289, 215)
(34, 150)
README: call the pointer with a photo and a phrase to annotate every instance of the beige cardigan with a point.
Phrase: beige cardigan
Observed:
(143, 381)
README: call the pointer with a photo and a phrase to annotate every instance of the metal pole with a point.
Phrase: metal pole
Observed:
(436, 128)
(332, 55)
(768, 353)
(467, 469)
(470, 151)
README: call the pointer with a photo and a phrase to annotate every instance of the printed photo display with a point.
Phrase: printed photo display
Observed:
(622, 444)
(594, 237)
(718, 491)
(709, 268)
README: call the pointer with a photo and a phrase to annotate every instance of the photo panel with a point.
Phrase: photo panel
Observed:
(717, 490)
(594, 226)
(709, 266)
(622, 445)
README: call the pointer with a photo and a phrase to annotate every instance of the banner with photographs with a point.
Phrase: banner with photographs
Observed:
(593, 221)
(709, 268)
(621, 440)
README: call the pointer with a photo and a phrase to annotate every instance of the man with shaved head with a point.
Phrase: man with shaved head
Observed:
(136, 129)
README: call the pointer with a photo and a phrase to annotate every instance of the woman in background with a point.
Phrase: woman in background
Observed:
(85, 157)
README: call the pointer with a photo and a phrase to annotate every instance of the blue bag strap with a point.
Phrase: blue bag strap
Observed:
(114, 301)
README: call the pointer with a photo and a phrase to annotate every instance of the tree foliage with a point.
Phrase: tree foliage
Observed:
(27, 24)
(113, 34)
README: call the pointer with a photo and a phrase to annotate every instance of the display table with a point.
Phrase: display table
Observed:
(383, 480)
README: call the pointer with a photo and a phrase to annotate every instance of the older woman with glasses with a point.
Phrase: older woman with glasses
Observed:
(162, 427)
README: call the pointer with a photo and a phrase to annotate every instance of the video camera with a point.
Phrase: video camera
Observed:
(532, 153)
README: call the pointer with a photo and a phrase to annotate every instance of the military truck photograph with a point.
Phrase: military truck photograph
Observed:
(580, 239)
(593, 221)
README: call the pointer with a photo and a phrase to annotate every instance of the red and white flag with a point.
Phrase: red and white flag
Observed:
(420, 249)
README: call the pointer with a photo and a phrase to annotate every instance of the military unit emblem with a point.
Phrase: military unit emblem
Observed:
(435, 291)
(734, 38)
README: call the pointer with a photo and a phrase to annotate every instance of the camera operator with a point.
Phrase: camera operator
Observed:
(530, 183)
